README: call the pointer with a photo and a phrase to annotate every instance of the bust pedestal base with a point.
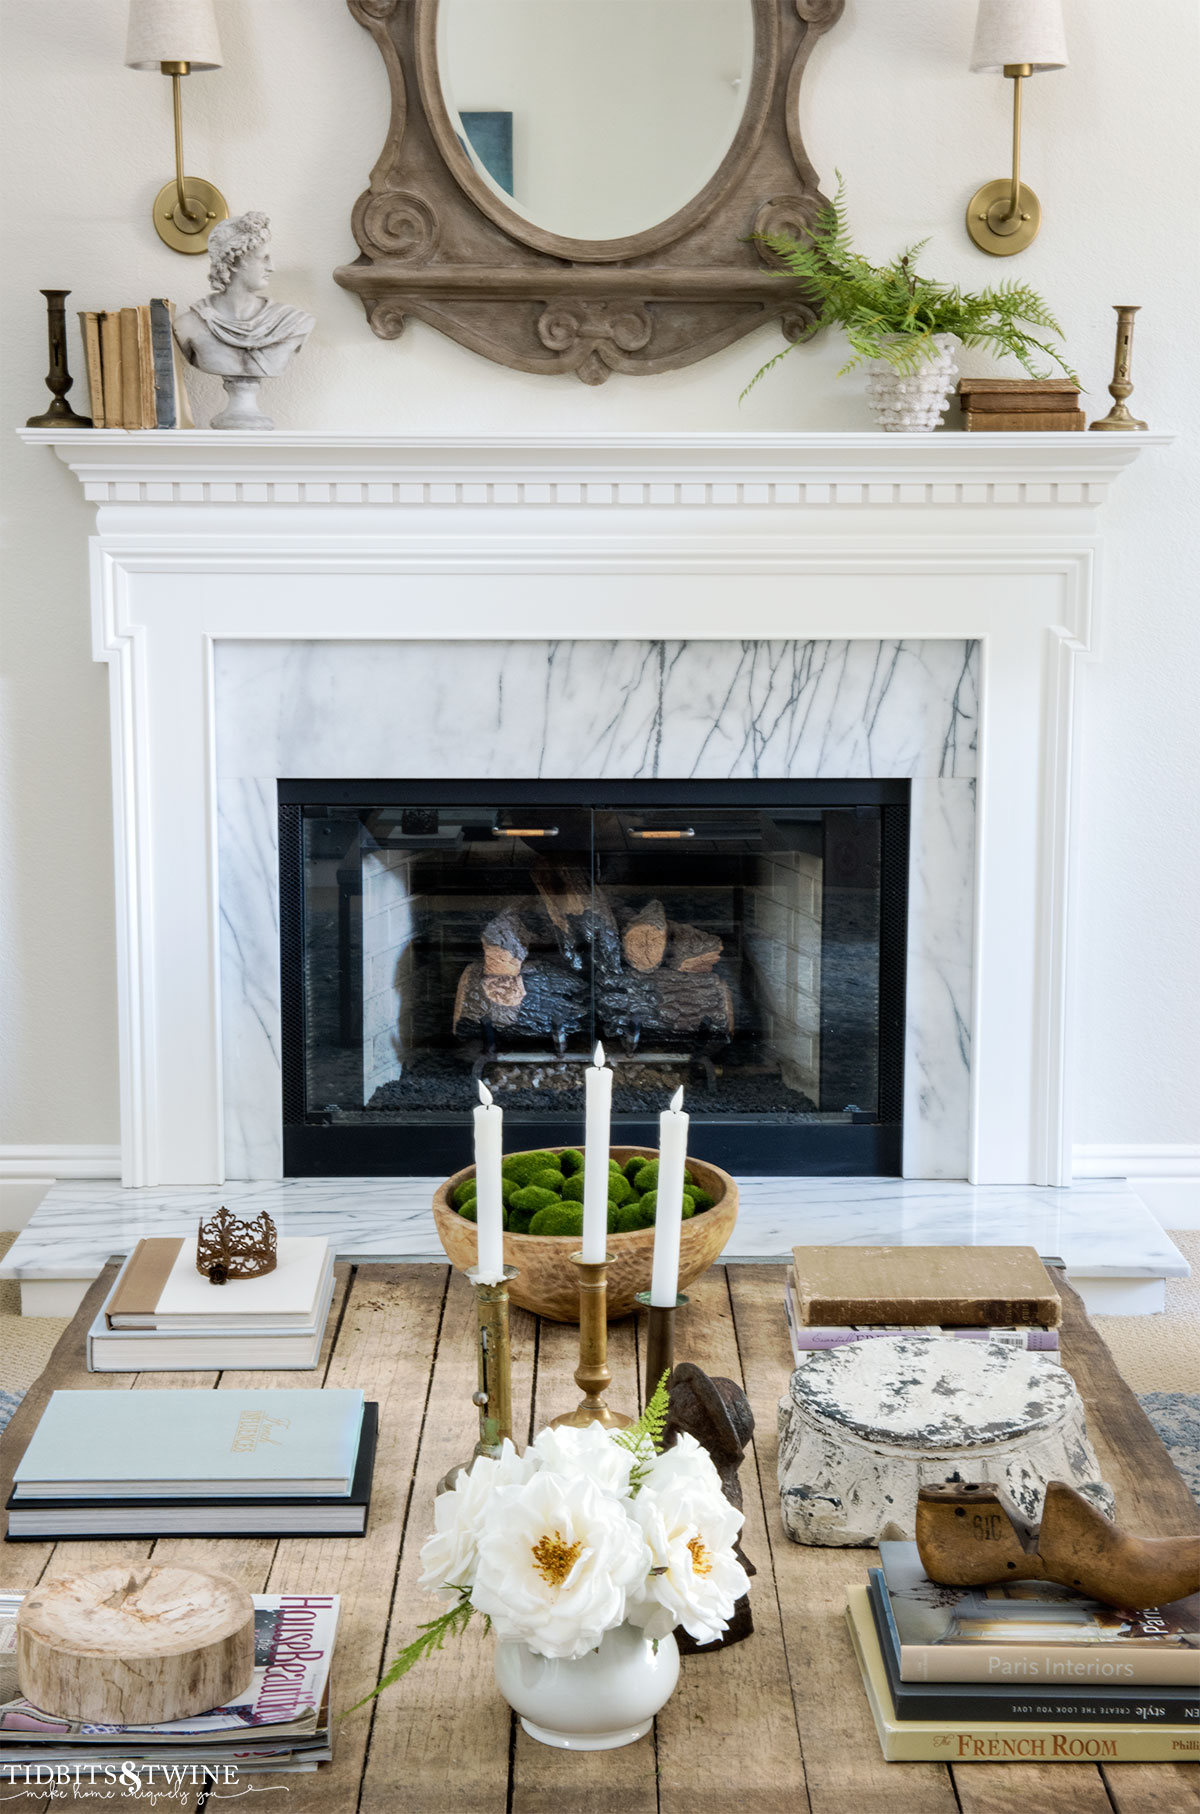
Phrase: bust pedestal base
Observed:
(242, 409)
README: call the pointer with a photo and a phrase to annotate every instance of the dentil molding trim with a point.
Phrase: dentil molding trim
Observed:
(203, 466)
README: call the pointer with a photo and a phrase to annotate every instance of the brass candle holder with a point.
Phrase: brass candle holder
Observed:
(592, 1375)
(1120, 416)
(493, 1352)
(660, 1340)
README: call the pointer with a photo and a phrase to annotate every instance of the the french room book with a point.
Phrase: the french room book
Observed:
(950, 1741)
(159, 1288)
(181, 1443)
(1033, 1632)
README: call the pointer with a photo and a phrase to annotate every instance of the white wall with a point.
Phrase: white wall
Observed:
(293, 124)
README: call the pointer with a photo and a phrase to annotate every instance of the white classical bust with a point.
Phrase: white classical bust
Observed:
(236, 332)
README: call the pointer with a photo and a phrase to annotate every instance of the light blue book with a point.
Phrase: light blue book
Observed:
(181, 1444)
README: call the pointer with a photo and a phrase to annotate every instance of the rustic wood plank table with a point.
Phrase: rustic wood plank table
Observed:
(779, 1722)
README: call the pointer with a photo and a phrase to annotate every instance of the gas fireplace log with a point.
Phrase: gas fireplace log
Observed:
(692, 949)
(644, 940)
(505, 945)
(667, 1005)
(580, 914)
(553, 1001)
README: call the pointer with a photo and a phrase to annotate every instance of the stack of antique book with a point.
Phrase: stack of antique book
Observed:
(1025, 1671)
(1020, 405)
(164, 1316)
(281, 1724)
(836, 1295)
(134, 368)
(188, 1463)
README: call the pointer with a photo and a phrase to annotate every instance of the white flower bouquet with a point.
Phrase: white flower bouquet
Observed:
(587, 1530)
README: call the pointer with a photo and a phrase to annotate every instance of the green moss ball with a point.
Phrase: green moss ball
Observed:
(523, 1168)
(572, 1190)
(463, 1193)
(517, 1221)
(646, 1178)
(558, 1219)
(531, 1197)
(633, 1166)
(549, 1179)
(571, 1160)
(648, 1203)
(700, 1198)
(619, 1188)
(468, 1210)
(627, 1217)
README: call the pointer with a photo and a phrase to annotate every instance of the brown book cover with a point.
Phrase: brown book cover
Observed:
(110, 363)
(131, 371)
(140, 1285)
(146, 368)
(967, 1287)
(1018, 387)
(1021, 403)
(89, 327)
(1033, 421)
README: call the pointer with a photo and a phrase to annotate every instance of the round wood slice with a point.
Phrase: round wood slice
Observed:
(136, 1643)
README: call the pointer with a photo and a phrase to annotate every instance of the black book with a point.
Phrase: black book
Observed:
(984, 1703)
(62, 1520)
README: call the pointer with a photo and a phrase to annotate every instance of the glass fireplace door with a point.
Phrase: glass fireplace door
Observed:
(751, 951)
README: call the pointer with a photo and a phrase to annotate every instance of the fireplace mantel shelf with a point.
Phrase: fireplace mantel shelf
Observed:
(201, 466)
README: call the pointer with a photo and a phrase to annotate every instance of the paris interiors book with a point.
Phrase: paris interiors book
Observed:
(181, 1444)
(1033, 1633)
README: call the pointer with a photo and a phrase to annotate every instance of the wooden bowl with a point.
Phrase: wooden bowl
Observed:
(549, 1283)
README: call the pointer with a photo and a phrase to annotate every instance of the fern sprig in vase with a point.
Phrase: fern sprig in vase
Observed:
(905, 324)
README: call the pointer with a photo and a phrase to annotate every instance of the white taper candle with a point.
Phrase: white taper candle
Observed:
(668, 1215)
(599, 1083)
(489, 1199)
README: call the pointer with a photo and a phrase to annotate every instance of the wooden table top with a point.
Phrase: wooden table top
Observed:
(779, 1722)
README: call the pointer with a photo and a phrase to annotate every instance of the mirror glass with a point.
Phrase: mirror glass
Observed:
(595, 118)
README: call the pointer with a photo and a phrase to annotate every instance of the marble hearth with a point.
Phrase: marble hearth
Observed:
(297, 606)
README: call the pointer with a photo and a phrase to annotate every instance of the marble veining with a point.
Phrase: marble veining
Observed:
(1099, 1228)
(564, 710)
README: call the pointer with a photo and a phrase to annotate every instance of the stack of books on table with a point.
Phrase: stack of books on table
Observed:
(188, 1463)
(281, 1723)
(134, 368)
(162, 1316)
(1025, 1671)
(837, 1295)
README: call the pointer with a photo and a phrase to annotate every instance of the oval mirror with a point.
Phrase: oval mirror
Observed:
(595, 119)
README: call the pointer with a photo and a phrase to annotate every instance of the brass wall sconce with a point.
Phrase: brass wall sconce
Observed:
(1015, 38)
(178, 38)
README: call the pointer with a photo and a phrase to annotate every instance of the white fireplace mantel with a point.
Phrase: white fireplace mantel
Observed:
(207, 539)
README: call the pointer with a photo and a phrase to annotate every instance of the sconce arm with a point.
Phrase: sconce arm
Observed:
(175, 71)
(1017, 71)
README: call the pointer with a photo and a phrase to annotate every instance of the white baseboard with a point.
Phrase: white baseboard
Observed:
(1182, 1162)
(56, 1162)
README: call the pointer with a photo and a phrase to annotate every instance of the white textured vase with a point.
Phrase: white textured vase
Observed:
(914, 404)
(595, 1702)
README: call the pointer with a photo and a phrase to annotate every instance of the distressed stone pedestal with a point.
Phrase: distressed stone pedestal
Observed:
(864, 1426)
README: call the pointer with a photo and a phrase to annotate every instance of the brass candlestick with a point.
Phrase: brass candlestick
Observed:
(58, 378)
(1119, 415)
(660, 1339)
(592, 1375)
(494, 1360)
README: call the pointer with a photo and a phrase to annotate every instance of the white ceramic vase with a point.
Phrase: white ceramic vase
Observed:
(913, 404)
(595, 1702)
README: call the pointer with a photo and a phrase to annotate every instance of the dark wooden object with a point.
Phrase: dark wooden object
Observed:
(970, 1535)
(782, 1721)
(437, 242)
(644, 940)
(717, 1413)
(692, 949)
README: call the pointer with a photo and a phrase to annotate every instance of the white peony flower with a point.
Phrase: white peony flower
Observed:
(556, 1562)
(450, 1555)
(591, 1451)
(690, 1528)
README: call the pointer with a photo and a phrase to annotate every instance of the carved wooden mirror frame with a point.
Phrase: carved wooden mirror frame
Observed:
(437, 243)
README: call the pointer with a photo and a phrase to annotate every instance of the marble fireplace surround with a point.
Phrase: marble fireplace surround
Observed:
(330, 606)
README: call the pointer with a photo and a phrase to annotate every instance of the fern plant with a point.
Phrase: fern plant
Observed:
(891, 312)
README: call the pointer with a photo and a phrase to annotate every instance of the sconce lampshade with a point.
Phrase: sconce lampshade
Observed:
(1019, 31)
(172, 31)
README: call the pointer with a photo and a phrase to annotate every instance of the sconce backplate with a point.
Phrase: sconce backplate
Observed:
(992, 227)
(173, 227)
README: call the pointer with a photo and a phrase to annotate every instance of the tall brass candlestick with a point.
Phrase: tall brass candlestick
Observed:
(660, 1339)
(592, 1375)
(58, 378)
(1119, 415)
(493, 1352)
